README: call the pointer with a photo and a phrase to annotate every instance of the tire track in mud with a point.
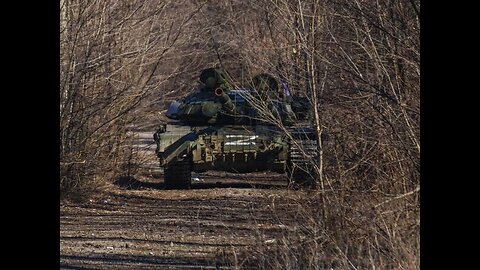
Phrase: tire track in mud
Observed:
(153, 228)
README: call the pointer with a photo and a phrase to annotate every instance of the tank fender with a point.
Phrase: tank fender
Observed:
(179, 149)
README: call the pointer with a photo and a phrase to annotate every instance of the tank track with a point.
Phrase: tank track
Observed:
(178, 175)
(303, 150)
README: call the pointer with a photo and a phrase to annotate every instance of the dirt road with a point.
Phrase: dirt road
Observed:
(137, 224)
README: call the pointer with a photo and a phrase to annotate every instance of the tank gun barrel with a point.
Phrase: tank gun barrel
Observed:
(226, 101)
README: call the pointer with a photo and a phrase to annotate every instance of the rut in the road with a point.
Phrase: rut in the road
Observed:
(127, 229)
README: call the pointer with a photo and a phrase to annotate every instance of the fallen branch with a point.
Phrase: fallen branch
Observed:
(417, 189)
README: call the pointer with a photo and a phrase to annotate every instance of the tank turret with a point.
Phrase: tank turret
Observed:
(209, 105)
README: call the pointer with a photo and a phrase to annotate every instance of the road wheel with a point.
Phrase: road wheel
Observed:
(178, 175)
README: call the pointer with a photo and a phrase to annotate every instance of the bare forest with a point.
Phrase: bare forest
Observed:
(358, 63)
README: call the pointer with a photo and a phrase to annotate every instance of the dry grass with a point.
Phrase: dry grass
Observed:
(352, 234)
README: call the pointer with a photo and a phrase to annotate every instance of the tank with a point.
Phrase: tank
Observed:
(221, 127)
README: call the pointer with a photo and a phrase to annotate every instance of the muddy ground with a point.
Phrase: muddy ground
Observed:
(137, 224)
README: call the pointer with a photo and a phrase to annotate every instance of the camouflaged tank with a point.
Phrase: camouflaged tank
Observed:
(219, 127)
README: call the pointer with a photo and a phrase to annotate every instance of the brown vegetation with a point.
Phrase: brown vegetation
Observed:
(357, 61)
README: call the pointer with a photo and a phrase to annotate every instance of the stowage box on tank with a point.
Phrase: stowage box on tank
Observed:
(218, 128)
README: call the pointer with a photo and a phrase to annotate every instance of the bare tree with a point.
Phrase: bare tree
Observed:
(358, 62)
(111, 64)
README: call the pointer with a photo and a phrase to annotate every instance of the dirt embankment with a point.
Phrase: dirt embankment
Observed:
(137, 224)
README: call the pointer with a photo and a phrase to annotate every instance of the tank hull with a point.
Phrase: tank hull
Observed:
(227, 148)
